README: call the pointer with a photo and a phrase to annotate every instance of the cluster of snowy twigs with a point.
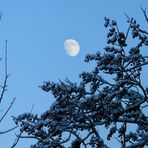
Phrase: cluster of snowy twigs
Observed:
(117, 103)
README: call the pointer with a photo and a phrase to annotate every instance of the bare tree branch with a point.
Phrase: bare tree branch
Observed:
(7, 110)
(4, 86)
(145, 15)
(16, 140)
(9, 130)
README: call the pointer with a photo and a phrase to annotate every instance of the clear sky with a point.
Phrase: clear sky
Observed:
(36, 31)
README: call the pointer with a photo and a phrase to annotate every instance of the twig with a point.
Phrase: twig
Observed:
(145, 15)
(1, 15)
(129, 25)
(6, 75)
(16, 140)
(124, 135)
(7, 110)
(32, 108)
(9, 130)
(142, 31)
(127, 16)
(30, 137)
(144, 106)
(6, 47)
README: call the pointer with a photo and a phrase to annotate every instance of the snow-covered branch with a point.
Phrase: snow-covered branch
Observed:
(95, 101)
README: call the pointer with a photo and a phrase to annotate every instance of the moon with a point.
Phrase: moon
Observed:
(72, 47)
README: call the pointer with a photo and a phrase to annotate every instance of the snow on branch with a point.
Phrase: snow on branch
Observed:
(95, 101)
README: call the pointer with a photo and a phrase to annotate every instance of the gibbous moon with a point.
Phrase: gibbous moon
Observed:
(71, 47)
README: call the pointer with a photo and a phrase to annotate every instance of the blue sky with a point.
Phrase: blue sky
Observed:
(36, 31)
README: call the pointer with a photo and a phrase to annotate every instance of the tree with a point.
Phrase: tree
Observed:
(3, 90)
(115, 104)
